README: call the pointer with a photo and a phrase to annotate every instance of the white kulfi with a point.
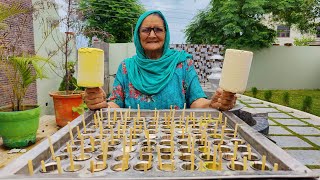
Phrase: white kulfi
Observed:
(90, 67)
(235, 70)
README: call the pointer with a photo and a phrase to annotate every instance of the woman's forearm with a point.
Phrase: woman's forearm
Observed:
(201, 103)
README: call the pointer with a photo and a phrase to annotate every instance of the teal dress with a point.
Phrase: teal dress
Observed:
(184, 87)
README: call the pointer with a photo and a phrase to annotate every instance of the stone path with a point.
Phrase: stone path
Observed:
(297, 132)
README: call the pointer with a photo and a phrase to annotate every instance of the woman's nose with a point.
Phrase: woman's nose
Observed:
(152, 33)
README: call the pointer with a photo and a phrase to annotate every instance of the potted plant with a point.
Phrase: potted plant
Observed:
(69, 95)
(19, 121)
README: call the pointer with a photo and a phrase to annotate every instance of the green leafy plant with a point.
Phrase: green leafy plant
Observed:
(254, 91)
(80, 109)
(307, 104)
(21, 68)
(303, 41)
(268, 95)
(286, 98)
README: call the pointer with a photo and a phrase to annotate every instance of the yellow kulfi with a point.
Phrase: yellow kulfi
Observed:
(90, 67)
(235, 70)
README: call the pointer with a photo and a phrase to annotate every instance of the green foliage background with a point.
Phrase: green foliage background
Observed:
(117, 17)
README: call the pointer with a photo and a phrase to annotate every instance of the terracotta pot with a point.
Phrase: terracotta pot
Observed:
(63, 104)
(19, 128)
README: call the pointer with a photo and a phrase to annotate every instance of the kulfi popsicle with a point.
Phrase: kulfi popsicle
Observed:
(90, 67)
(235, 71)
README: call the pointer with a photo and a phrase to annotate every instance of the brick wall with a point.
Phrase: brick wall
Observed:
(19, 34)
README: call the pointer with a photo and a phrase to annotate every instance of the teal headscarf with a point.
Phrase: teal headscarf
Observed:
(150, 76)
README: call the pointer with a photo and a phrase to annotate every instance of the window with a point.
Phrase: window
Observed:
(283, 31)
(318, 32)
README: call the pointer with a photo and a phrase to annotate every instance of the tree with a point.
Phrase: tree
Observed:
(235, 24)
(115, 17)
(304, 14)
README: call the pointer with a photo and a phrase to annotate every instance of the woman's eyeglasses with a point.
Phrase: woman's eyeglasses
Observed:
(156, 30)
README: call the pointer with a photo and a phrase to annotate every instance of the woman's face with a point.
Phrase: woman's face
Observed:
(152, 34)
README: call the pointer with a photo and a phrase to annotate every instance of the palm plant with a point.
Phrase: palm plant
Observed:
(21, 72)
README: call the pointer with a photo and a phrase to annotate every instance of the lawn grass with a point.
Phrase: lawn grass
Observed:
(296, 98)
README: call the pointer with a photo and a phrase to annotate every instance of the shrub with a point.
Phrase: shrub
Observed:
(307, 104)
(268, 95)
(285, 98)
(254, 91)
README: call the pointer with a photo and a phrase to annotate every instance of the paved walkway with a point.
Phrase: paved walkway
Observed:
(297, 132)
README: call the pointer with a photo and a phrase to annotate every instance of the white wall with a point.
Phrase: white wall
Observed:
(280, 67)
(117, 53)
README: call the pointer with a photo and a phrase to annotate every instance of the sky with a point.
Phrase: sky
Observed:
(179, 13)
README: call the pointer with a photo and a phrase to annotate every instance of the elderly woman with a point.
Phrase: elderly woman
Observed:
(156, 77)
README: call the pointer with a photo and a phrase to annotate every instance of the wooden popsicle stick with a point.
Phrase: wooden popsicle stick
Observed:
(112, 140)
(30, 167)
(208, 151)
(275, 167)
(121, 115)
(114, 116)
(172, 165)
(193, 144)
(205, 116)
(107, 146)
(51, 148)
(129, 112)
(101, 115)
(98, 117)
(263, 165)
(148, 140)
(95, 120)
(159, 157)
(155, 114)
(232, 164)
(140, 154)
(209, 117)
(123, 164)
(182, 132)
(201, 166)
(214, 156)
(84, 124)
(130, 139)
(81, 148)
(222, 132)
(192, 162)
(220, 160)
(104, 154)
(92, 166)
(245, 163)
(189, 142)
(215, 130)
(109, 116)
(92, 143)
(127, 161)
(173, 116)
(149, 160)
(235, 150)
(43, 166)
(59, 165)
(145, 167)
(119, 129)
(235, 131)
(171, 149)
(101, 139)
(71, 135)
(249, 151)
(69, 149)
(100, 127)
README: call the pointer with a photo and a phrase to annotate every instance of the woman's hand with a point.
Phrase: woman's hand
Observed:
(95, 98)
(223, 100)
